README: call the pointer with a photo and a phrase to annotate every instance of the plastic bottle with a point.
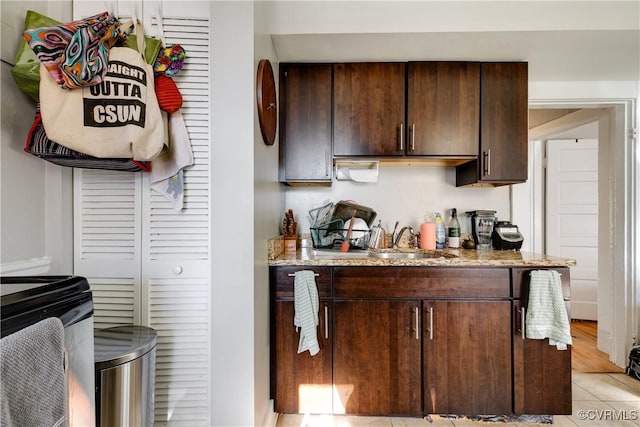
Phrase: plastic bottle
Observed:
(440, 232)
(428, 233)
(454, 230)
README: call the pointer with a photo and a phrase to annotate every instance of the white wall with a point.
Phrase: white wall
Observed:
(35, 195)
(232, 217)
(404, 194)
(268, 212)
(318, 17)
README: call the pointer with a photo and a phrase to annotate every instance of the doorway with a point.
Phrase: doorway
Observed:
(617, 320)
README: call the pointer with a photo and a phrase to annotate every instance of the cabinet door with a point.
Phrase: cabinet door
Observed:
(305, 122)
(443, 108)
(467, 357)
(504, 119)
(303, 383)
(369, 109)
(377, 357)
(538, 367)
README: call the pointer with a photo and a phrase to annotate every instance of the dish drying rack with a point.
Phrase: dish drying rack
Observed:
(328, 229)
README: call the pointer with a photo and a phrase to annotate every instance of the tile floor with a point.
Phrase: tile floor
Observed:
(610, 400)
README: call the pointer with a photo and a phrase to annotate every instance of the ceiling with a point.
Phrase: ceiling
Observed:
(579, 55)
(562, 40)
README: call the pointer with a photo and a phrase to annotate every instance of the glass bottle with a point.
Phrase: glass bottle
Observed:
(454, 230)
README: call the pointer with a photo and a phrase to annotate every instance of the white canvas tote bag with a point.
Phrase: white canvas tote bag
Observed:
(117, 118)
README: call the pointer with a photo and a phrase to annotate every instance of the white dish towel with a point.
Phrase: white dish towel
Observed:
(546, 313)
(306, 305)
(167, 174)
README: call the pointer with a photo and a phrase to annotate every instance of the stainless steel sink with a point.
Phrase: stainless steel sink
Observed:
(332, 254)
(416, 254)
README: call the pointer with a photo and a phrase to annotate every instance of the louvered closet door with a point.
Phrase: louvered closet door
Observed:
(175, 268)
(148, 264)
(107, 243)
(108, 219)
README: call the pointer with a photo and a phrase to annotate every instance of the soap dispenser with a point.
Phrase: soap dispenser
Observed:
(428, 233)
(440, 232)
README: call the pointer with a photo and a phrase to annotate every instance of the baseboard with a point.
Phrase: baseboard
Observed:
(270, 418)
(29, 267)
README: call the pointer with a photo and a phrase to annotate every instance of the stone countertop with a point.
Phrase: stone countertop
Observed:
(449, 258)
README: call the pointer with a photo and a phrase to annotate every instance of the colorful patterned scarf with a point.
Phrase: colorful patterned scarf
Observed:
(75, 53)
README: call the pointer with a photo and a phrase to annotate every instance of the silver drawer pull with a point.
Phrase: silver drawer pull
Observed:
(294, 275)
(326, 322)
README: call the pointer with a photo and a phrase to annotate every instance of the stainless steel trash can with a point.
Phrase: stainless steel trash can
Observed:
(125, 359)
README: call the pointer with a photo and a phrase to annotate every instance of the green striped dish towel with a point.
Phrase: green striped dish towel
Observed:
(306, 304)
(546, 313)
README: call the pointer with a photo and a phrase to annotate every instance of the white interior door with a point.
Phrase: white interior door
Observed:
(572, 217)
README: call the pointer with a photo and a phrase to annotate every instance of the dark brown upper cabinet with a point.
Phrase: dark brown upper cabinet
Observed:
(474, 115)
(439, 115)
(369, 109)
(305, 123)
(443, 109)
(504, 117)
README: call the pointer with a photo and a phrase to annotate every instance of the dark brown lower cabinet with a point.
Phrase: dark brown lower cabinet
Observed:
(467, 357)
(376, 358)
(300, 383)
(542, 377)
(542, 373)
(303, 382)
(416, 340)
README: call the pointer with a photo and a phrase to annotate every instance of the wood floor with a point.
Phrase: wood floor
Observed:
(585, 357)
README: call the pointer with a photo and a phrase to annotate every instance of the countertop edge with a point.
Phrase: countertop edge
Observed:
(464, 258)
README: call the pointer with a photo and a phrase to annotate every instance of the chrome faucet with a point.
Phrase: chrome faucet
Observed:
(399, 236)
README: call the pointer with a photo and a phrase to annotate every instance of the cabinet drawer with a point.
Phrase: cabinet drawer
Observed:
(421, 282)
(520, 279)
(281, 279)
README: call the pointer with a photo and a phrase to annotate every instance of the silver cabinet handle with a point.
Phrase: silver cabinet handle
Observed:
(430, 323)
(326, 322)
(293, 275)
(487, 163)
(413, 137)
(401, 136)
(327, 162)
(417, 323)
(522, 320)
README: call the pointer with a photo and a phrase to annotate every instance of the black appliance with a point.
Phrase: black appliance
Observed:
(506, 236)
(482, 224)
(26, 300)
